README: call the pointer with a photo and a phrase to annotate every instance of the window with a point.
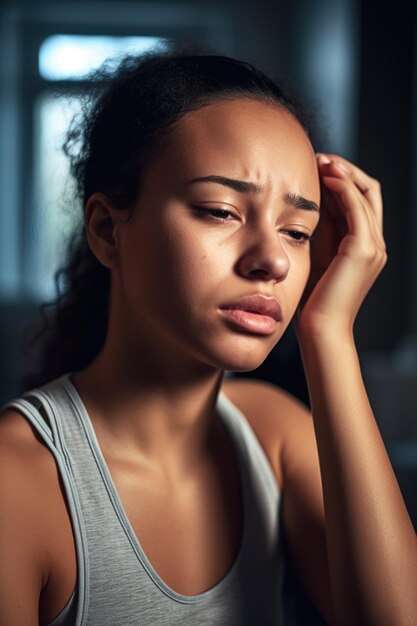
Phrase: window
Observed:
(54, 209)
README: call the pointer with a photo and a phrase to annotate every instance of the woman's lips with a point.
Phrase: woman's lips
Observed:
(256, 313)
(250, 321)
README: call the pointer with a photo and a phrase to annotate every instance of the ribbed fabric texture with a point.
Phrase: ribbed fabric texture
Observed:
(116, 584)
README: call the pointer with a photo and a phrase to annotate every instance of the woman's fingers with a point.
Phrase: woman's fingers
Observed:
(362, 242)
(340, 172)
(352, 208)
(368, 186)
(347, 193)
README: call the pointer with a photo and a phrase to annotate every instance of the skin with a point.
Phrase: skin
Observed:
(168, 346)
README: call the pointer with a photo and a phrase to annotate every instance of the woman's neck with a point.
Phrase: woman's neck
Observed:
(162, 409)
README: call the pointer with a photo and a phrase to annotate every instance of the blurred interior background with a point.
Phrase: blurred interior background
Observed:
(353, 61)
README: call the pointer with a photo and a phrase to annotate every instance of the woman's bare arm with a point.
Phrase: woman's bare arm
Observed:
(371, 543)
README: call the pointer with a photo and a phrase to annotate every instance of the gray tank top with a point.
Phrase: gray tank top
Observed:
(116, 583)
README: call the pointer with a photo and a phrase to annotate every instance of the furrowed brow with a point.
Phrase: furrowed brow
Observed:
(242, 186)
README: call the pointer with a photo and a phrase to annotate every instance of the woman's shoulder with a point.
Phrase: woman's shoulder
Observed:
(25, 475)
(26, 465)
(19, 442)
(265, 393)
(281, 422)
(266, 406)
(30, 491)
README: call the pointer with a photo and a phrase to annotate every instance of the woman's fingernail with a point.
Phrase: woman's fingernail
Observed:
(323, 159)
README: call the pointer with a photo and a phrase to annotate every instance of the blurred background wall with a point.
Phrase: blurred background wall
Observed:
(355, 64)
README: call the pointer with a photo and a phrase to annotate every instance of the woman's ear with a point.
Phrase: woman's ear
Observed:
(101, 224)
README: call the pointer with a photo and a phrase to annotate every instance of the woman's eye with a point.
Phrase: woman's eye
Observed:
(215, 213)
(298, 236)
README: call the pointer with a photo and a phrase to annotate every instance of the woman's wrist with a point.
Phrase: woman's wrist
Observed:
(325, 333)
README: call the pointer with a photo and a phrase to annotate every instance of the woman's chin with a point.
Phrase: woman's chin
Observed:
(243, 366)
(244, 355)
(243, 361)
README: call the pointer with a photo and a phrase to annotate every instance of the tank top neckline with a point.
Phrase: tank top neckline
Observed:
(221, 410)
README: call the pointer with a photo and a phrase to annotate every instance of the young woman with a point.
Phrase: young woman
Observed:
(142, 486)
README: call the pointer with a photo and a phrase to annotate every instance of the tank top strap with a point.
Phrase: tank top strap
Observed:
(37, 406)
(32, 411)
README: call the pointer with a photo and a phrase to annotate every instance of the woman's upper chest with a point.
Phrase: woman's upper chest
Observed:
(189, 529)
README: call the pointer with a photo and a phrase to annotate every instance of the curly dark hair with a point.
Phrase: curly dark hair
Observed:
(120, 129)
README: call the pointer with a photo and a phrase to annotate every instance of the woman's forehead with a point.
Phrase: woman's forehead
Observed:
(239, 122)
(242, 139)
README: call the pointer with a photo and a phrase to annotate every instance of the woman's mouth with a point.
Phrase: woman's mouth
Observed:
(255, 313)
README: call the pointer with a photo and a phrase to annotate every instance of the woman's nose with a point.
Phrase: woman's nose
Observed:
(265, 259)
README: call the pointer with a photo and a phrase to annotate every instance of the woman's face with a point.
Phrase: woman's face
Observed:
(193, 246)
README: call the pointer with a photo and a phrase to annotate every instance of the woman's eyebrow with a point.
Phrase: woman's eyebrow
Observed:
(243, 186)
(297, 201)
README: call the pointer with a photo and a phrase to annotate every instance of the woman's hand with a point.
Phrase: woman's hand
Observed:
(348, 250)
